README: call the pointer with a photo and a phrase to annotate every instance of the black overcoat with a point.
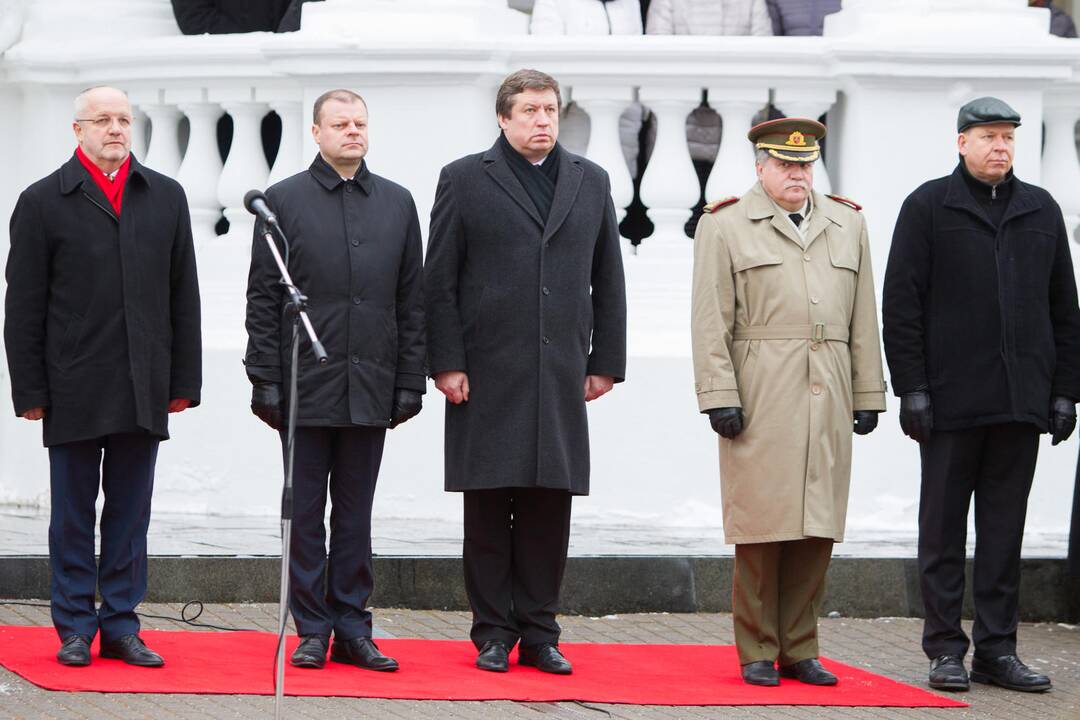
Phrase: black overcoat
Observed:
(356, 253)
(527, 310)
(987, 319)
(102, 315)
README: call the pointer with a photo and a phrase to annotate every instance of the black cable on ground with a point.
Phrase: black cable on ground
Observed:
(182, 619)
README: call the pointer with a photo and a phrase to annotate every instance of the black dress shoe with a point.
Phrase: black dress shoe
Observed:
(75, 651)
(132, 650)
(311, 652)
(947, 673)
(494, 657)
(361, 652)
(809, 671)
(545, 658)
(761, 672)
(1008, 672)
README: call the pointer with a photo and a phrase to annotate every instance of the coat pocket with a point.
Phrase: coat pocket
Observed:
(69, 345)
(749, 261)
(843, 253)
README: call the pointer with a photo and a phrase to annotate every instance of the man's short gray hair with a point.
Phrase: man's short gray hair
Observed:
(81, 98)
(761, 156)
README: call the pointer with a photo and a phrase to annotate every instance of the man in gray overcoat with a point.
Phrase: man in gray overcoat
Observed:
(526, 317)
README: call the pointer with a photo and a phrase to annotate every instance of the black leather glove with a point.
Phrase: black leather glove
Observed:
(726, 421)
(1062, 419)
(865, 421)
(917, 415)
(407, 404)
(266, 403)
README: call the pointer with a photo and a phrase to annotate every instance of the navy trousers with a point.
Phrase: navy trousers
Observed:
(996, 464)
(330, 593)
(123, 466)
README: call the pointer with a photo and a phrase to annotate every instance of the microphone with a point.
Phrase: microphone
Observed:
(255, 203)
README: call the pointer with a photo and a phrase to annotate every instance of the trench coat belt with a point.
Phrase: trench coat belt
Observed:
(818, 332)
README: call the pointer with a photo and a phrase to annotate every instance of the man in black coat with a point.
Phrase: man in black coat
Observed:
(355, 251)
(526, 314)
(103, 342)
(221, 17)
(982, 336)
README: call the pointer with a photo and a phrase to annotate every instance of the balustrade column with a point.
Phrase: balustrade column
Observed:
(200, 170)
(138, 132)
(163, 154)
(733, 172)
(288, 161)
(605, 106)
(1061, 167)
(670, 185)
(245, 168)
(810, 102)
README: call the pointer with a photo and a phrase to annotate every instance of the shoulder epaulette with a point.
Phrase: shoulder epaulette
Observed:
(717, 204)
(846, 201)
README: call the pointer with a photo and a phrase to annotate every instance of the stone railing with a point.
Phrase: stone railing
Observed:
(891, 99)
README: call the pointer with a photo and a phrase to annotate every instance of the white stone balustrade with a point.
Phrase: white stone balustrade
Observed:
(163, 154)
(431, 96)
(200, 171)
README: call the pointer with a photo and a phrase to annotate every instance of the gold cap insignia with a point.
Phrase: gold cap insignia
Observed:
(796, 138)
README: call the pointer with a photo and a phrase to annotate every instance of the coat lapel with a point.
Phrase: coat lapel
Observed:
(566, 190)
(1023, 202)
(759, 207)
(73, 177)
(497, 167)
(958, 197)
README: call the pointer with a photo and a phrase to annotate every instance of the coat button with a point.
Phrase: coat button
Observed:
(547, 340)
(814, 300)
(806, 258)
(356, 300)
(348, 187)
(355, 243)
(546, 291)
(355, 359)
(816, 389)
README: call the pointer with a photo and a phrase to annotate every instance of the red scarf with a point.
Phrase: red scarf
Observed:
(113, 189)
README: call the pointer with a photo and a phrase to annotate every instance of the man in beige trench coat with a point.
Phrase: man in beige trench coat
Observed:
(787, 365)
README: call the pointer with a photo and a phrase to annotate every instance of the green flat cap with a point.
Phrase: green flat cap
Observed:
(985, 111)
(789, 139)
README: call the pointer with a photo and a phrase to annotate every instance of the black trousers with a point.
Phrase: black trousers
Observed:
(123, 466)
(1074, 530)
(331, 593)
(514, 556)
(996, 464)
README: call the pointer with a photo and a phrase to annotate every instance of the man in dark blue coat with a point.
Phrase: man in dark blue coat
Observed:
(982, 336)
(526, 313)
(103, 342)
(355, 251)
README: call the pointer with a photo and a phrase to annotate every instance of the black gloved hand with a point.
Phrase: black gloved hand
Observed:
(865, 421)
(916, 415)
(407, 404)
(726, 421)
(266, 403)
(1062, 419)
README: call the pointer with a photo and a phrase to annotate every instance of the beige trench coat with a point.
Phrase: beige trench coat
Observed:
(790, 334)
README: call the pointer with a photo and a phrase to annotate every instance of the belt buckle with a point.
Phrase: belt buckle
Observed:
(819, 333)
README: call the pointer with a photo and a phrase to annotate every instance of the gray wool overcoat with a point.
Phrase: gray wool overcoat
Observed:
(527, 309)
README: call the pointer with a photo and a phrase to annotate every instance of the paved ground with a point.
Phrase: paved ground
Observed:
(889, 646)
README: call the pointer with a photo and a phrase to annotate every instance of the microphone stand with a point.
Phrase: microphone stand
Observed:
(299, 304)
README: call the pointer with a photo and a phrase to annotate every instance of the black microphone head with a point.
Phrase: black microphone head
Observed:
(250, 197)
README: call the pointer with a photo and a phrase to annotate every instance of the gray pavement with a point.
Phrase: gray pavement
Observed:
(889, 646)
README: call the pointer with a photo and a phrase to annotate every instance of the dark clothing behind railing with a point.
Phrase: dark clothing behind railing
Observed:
(221, 17)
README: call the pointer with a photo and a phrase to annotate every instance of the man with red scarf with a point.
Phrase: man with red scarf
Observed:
(103, 342)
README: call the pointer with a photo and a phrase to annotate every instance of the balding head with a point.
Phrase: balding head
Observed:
(103, 126)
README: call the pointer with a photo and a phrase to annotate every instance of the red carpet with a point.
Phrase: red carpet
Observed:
(242, 664)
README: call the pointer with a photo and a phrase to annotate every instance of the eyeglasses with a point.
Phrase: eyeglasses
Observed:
(106, 121)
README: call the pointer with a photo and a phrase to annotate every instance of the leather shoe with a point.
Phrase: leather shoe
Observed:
(1008, 672)
(74, 651)
(947, 673)
(545, 658)
(494, 657)
(362, 652)
(132, 650)
(761, 672)
(809, 671)
(311, 652)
